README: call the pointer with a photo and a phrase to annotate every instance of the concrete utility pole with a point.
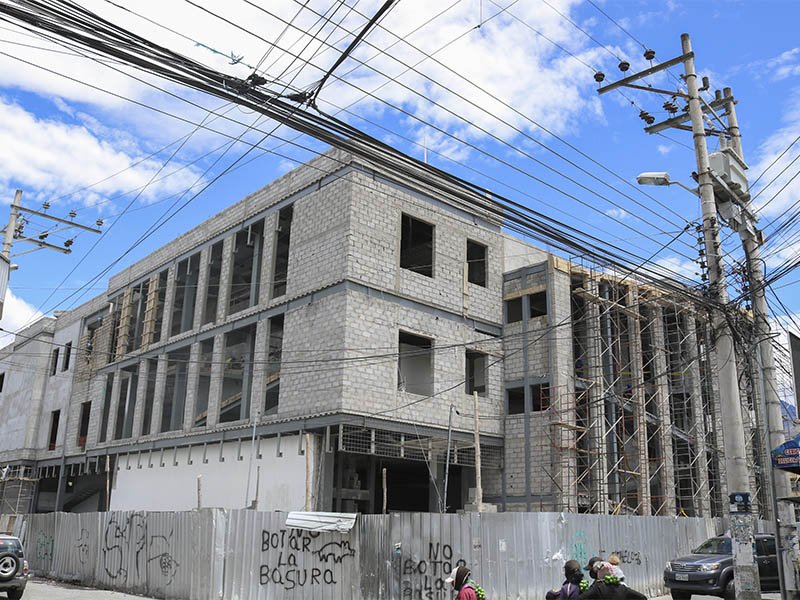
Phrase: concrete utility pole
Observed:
(478, 484)
(746, 578)
(786, 533)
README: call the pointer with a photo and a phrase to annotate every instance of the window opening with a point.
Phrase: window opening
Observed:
(214, 277)
(540, 397)
(2, 380)
(137, 318)
(416, 246)
(83, 426)
(415, 364)
(54, 418)
(161, 299)
(516, 400)
(514, 310)
(246, 268)
(203, 383)
(274, 356)
(476, 263)
(186, 276)
(538, 304)
(149, 394)
(54, 362)
(116, 312)
(175, 390)
(237, 376)
(475, 378)
(106, 408)
(280, 272)
(126, 402)
(67, 355)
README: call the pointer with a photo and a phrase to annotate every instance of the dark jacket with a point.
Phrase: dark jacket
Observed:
(570, 589)
(610, 591)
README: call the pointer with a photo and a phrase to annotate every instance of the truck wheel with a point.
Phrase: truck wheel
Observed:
(9, 566)
(730, 592)
(680, 595)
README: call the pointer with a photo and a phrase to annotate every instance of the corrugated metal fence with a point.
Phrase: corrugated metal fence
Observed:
(245, 555)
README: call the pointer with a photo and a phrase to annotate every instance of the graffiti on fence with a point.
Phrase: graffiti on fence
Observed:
(577, 547)
(82, 547)
(291, 562)
(44, 546)
(424, 579)
(126, 545)
(629, 557)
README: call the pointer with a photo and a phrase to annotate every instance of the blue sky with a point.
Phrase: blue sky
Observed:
(474, 109)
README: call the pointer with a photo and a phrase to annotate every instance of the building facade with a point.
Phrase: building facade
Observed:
(321, 345)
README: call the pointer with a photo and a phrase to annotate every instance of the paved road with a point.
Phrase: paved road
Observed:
(40, 589)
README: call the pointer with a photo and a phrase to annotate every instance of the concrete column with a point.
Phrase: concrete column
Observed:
(268, 258)
(97, 389)
(169, 301)
(597, 424)
(638, 399)
(202, 292)
(562, 389)
(141, 391)
(112, 412)
(698, 432)
(661, 370)
(192, 373)
(158, 395)
(225, 281)
(260, 356)
(215, 388)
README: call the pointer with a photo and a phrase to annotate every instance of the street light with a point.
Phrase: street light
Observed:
(662, 178)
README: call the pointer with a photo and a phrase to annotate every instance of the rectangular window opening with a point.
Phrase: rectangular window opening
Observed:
(106, 408)
(415, 364)
(67, 356)
(246, 267)
(126, 402)
(55, 416)
(54, 362)
(476, 363)
(515, 398)
(175, 390)
(116, 313)
(83, 425)
(514, 310)
(237, 376)
(476, 263)
(540, 397)
(186, 276)
(538, 304)
(2, 381)
(149, 395)
(416, 246)
(214, 277)
(161, 298)
(203, 383)
(274, 356)
(280, 271)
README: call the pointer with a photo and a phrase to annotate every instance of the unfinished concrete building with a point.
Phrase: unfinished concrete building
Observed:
(314, 345)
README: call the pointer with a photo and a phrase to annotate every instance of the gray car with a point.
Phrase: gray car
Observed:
(708, 570)
(13, 567)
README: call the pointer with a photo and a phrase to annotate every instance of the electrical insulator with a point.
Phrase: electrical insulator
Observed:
(99, 222)
(72, 214)
(43, 236)
(624, 65)
(650, 120)
(45, 205)
(649, 54)
(599, 76)
(67, 243)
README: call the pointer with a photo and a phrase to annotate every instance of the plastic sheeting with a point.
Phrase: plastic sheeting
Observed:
(247, 555)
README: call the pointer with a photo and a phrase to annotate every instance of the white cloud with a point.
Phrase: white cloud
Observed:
(674, 266)
(664, 149)
(617, 213)
(16, 314)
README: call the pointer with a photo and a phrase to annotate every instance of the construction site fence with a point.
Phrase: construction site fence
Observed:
(211, 554)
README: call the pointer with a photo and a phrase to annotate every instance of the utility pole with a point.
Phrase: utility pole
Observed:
(447, 459)
(785, 530)
(478, 485)
(746, 578)
(14, 231)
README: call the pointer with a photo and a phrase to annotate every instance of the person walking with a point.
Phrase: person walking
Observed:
(608, 586)
(573, 585)
(459, 579)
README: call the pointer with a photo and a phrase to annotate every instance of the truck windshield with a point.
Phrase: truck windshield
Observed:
(718, 545)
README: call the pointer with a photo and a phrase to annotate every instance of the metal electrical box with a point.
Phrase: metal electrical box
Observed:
(727, 165)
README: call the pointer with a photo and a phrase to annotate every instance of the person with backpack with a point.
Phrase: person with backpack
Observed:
(573, 585)
(465, 586)
(608, 586)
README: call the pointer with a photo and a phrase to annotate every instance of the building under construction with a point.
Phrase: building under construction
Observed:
(320, 345)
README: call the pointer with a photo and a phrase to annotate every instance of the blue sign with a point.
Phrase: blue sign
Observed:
(787, 456)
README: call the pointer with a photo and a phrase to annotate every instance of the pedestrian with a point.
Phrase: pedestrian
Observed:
(465, 586)
(607, 586)
(616, 570)
(573, 585)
